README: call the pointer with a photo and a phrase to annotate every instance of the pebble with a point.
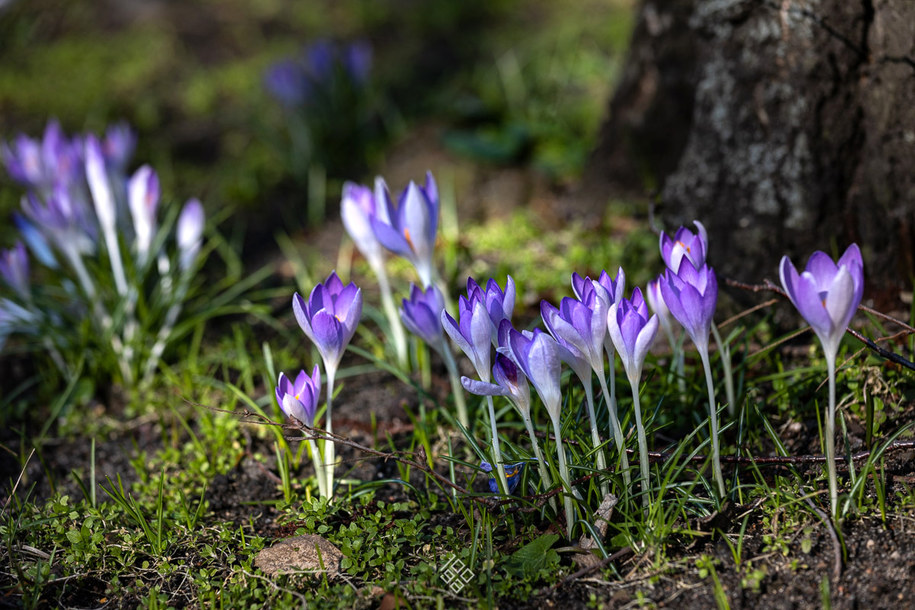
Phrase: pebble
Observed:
(300, 554)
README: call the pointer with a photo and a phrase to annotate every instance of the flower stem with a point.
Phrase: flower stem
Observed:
(713, 418)
(595, 437)
(565, 479)
(831, 436)
(725, 351)
(541, 463)
(643, 442)
(390, 310)
(319, 469)
(610, 398)
(496, 450)
(329, 456)
(456, 386)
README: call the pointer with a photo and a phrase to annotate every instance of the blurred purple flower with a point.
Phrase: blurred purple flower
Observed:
(422, 315)
(285, 81)
(299, 400)
(143, 200)
(190, 233)
(685, 243)
(357, 206)
(330, 317)
(35, 240)
(632, 332)
(409, 230)
(42, 164)
(63, 221)
(14, 269)
(827, 293)
(118, 146)
(691, 296)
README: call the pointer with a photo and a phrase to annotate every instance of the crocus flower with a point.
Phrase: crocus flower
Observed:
(685, 243)
(190, 233)
(285, 81)
(330, 317)
(827, 295)
(62, 220)
(35, 240)
(357, 205)
(40, 165)
(118, 146)
(409, 229)
(499, 304)
(14, 269)
(300, 399)
(691, 295)
(472, 333)
(105, 208)
(422, 315)
(632, 332)
(537, 354)
(143, 199)
(512, 474)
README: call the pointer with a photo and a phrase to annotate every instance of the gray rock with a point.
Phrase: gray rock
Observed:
(309, 553)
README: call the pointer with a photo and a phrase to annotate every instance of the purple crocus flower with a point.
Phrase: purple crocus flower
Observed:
(41, 164)
(657, 304)
(537, 354)
(827, 293)
(472, 333)
(691, 295)
(357, 60)
(607, 289)
(14, 269)
(35, 240)
(190, 232)
(330, 317)
(512, 475)
(499, 304)
(62, 220)
(579, 329)
(685, 243)
(409, 229)
(509, 381)
(632, 331)
(118, 146)
(422, 315)
(143, 199)
(300, 399)
(357, 206)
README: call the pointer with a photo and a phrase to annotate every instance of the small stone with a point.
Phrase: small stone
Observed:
(870, 544)
(306, 553)
(894, 555)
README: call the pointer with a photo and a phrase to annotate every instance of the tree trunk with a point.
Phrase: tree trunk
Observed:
(783, 125)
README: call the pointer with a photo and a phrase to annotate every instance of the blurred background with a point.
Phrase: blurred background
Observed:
(263, 107)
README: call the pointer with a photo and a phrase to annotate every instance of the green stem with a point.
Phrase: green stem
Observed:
(595, 437)
(390, 310)
(565, 479)
(615, 427)
(456, 386)
(713, 419)
(725, 352)
(496, 450)
(831, 436)
(643, 442)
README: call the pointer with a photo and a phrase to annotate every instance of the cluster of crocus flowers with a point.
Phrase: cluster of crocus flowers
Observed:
(81, 204)
(827, 294)
(329, 319)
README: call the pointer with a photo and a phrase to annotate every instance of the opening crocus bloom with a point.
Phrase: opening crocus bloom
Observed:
(330, 317)
(422, 314)
(537, 354)
(827, 293)
(143, 199)
(691, 296)
(509, 382)
(299, 399)
(190, 232)
(499, 304)
(356, 207)
(472, 334)
(14, 268)
(684, 244)
(632, 332)
(409, 229)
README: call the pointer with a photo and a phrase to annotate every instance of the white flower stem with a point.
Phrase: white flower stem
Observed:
(565, 479)
(390, 311)
(643, 442)
(725, 351)
(456, 387)
(541, 463)
(329, 450)
(595, 437)
(610, 398)
(713, 418)
(171, 317)
(319, 470)
(496, 450)
(831, 436)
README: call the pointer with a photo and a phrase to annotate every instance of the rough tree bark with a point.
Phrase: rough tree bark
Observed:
(784, 125)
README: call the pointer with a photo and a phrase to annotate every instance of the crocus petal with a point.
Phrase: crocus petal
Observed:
(811, 304)
(483, 388)
(391, 238)
(190, 232)
(97, 178)
(301, 316)
(822, 268)
(328, 337)
(839, 302)
(645, 338)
